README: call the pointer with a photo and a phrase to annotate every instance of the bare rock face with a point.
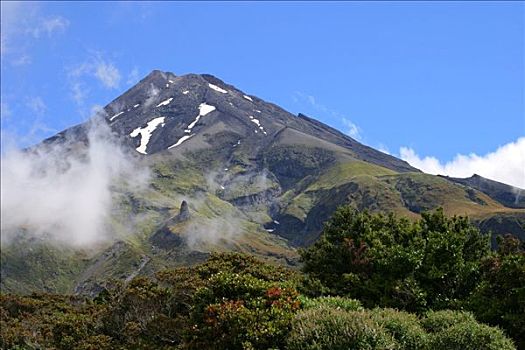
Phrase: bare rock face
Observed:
(184, 212)
(164, 237)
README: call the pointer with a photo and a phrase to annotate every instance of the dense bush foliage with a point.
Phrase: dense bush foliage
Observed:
(438, 321)
(334, 302)
(326, 327)
(390, 262)
(460, 331)
(404, 327)
(234, 301)
(239, 311)
(51, 321)
(432, 264)
(330, 328)
(500, 297)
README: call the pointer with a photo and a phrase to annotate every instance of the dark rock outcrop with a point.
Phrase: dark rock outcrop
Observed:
(164, 237)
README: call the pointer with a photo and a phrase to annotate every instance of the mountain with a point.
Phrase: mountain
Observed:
(231, 171)
(509, 196)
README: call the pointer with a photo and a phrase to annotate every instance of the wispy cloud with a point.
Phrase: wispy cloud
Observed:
(133, 76)
(94, 68)
(383, 148)
(5, 111)
(108, 74)
(506, 164)
(97, 109)
(79, 93)
(37, 105)
(21, 24)
(350, 128)
(49, 26)
(22, 60)
(70, 195)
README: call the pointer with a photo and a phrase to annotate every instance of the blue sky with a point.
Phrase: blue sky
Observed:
(429, 81)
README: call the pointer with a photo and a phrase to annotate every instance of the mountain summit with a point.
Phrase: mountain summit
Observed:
(167, 112)
(230, 171)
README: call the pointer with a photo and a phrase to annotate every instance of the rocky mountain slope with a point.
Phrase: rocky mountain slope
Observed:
(231, 171)
(507, 195)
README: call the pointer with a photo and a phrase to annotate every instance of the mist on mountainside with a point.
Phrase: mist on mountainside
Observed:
(63, 190)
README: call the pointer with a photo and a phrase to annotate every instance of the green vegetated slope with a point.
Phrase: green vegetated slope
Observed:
(263, 205)
(145, 236)
(367, 186)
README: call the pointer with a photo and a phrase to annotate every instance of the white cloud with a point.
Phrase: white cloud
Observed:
(133, 76)
(23, 23)
(78, 93)
(506, 164)
(108, 74)
(56, 24)
(66, 196)
(49, 26)
(95, 68)
(352, 130)
(13, 18)
(5, 111)
(37, 105)
(383, 148)
(97, 109)
(23, 60)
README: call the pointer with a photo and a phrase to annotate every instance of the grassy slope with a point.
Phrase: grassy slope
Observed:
(371, 187)
(319, 184)
(138, 216)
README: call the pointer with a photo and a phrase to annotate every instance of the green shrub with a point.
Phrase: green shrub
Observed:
(46, 321)
(334, 302)
(404, 327)
(437, 321)
(470, 335)
(244, 264)
(500, 298)
(459, 330)
(386, 261)
(240, 311)
(333, 329)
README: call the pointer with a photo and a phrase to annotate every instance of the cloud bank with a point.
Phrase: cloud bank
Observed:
(506, 164)
(63, 191)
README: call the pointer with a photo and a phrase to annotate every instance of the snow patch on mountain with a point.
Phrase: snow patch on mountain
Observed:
(181, 140)
(216, 88)
(258, 123)
(116, 115)
(145, 133)
(165, 102)
(203, 110)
